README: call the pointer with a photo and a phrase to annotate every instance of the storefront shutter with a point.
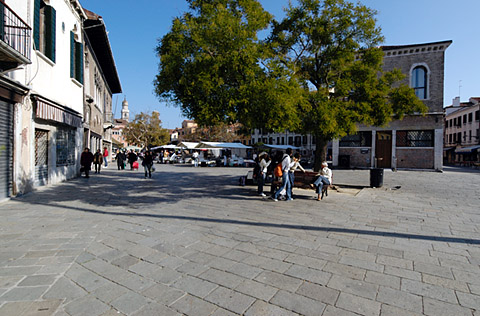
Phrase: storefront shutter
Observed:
(6, 149)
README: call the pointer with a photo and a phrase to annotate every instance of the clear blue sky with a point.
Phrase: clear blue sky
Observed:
(135, 26)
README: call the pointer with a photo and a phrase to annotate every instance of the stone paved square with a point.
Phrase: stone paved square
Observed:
(191, 241)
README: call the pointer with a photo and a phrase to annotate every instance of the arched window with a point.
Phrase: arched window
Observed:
(419, 82)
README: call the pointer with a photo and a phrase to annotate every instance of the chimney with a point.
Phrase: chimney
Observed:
(456, 101)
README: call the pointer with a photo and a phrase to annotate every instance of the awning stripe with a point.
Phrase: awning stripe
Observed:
(50, 112)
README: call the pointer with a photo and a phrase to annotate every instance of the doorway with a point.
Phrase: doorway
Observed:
(383, 149)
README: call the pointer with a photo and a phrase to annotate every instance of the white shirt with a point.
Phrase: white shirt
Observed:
(296, 164)
(327, 173)
(286, 163)
(264, 165)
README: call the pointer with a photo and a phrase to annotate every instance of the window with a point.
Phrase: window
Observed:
(477, 115)
(470, 135)
(298, 141)
(459, 137)
(44, 36)
(290, 140)
(465, 119)
(414, 138)
(450, 138)
(305, 140)
(419, 82)
(470, 117)
(361, 139)
(76, 59)
(65, 146)
(283, 140)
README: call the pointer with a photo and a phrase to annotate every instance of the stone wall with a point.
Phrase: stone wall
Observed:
(416, 158)
(357, 159)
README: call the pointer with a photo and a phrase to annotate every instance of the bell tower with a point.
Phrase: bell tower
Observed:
(125, 111)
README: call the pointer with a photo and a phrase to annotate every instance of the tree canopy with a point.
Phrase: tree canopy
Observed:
(146, 130)
(318, 72)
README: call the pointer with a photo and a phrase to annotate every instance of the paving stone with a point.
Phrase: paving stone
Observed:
(388, 310)
(85, 278)
(257, 290)
(433, 307)
(193, 306)
(24, 293)
(41, 308)
(362, 264)
(466, 276)
(400, 299)
(308, 262)
(64, 289)
(395, 262)
(244, 270)
(14, 271)
(195, 286)
(267, 263)
(230, 300)
(408, 274)
(429, 290)
(347, 271)
(154, 309)
(308, 274)
(298, 303)
(383, 279)
(318, 292)
(356, 287)
(136, 283)
(6, 282)
(279, 281)
(469, 300)
(166, 276)
(36, 280)
(87, 306)
(163, 294)
(109, 292)
(334, 311)
(433, 270)
(225, 279)
(223, 312)
(129, 302)
(358, 305)
(261, 308)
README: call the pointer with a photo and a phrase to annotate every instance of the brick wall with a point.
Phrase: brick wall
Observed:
(357, 159)
(418, 158)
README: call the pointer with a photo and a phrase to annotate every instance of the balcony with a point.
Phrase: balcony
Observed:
(14, 39)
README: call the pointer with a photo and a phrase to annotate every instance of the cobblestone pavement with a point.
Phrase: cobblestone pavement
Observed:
(193, 242)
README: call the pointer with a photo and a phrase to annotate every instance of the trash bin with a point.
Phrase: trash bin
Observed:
(376, 177)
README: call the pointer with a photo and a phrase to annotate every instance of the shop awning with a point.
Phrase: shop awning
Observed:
(50, 111)
(188, 145)
(222, 145)
(279, 147)
(467, 150)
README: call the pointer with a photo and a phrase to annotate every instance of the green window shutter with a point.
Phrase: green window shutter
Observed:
(50, 32)
(36, 24)
(2, 20)
(72, 55)
(79, 62)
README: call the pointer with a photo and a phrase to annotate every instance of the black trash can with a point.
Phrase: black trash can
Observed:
(376, 177)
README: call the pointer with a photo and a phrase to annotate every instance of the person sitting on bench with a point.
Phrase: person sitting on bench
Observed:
(324, 178)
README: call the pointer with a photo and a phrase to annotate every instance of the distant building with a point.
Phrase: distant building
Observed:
(120, 124)
(414, 142)
(462, 132)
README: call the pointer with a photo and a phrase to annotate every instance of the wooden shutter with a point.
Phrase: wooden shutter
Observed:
(2, 20)
(72, 55)
(50, 32)
(79, 62)
(36, 24)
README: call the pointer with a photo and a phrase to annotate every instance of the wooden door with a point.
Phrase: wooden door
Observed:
(383, 149)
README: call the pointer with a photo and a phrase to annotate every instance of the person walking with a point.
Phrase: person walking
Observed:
(286, 165)
(105, 156)
(86, 160)
(324, 178)
(263, 163)
(195, 158)
(132, 157)
(98, 161)
(147, 163)
(296, 165)
(120, 160)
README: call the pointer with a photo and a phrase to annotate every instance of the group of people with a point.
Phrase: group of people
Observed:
(98, 159)
(87, 158)
(286, 166)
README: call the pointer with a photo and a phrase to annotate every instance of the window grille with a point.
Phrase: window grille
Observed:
(415, 138)
(360, 139)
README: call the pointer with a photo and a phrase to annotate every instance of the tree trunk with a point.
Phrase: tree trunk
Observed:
(320, 151)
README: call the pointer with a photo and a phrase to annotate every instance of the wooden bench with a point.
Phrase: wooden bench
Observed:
(302, 181)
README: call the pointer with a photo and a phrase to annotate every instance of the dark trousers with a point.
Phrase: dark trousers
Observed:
(97, 168)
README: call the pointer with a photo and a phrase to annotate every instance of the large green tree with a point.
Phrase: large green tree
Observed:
(146, 130)
(331, 47)
(214, 67)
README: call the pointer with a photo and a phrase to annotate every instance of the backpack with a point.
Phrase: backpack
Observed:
(277, 171)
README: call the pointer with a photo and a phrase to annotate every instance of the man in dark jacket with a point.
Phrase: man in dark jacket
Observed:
(120, 160)
(86, 160)
(132, 157)
(148, 163)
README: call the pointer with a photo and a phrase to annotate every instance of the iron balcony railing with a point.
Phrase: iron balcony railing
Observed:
(14, 31)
